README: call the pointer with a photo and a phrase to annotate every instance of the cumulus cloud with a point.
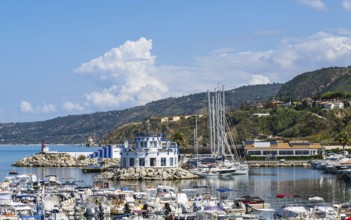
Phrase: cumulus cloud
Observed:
(316, 4)
(70, 106)
(259, 79)
(346, 4)
(135, 79)
(292, 57)
(47, 108)
(26, 107)
(129, 69)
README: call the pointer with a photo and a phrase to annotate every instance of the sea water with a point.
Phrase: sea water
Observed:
(263, 182)
(11, 154)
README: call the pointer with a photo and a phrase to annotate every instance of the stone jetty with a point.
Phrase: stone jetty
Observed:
(137, 173)
(148, 173)
(59, 160)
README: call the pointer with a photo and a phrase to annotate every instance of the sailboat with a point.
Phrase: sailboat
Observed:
(228, 160)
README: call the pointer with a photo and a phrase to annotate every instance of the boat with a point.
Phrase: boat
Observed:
(253, 202)
(227, 160)
(291, 209)
(318, 209)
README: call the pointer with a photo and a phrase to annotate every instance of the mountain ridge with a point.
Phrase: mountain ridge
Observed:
(75, 129)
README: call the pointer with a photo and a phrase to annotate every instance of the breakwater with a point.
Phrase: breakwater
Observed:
(138, 173)
(59, 160)
(66, 160)
(148, 173)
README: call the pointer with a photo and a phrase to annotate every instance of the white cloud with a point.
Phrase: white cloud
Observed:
(292, 57)
(316, 4)
(26, 107)
(47, 108)
(130, 70)
(135, 79)
(259, 79)
(346, 4)
(70, 106)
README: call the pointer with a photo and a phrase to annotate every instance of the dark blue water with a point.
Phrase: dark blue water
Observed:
(263, 182)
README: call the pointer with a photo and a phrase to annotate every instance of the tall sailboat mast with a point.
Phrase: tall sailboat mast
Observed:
(209, 113)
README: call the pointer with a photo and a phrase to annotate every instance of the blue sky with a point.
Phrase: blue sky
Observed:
(61, 58)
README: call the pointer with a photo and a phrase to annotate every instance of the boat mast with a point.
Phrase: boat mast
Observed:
(213, 131)
(196, 143)
(218, 124)
(222, 122)
(210, 120)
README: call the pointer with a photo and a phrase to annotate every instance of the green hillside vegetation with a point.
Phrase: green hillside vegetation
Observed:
(286, 123)
(170, 130)
(316, 82)
(334, 95)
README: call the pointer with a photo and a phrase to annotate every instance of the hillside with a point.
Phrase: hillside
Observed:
(75, 129)
(286, 123)
(317, 82)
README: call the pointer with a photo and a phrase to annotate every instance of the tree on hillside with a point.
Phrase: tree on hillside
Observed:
(343, 138)
(179, 138)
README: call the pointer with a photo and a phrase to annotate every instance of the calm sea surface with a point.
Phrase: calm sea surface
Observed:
(263, 182)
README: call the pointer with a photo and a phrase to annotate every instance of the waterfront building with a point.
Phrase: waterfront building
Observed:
(258, 148)
(109, 151)
(150, 151)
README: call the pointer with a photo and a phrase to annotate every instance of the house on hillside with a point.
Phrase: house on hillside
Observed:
(259, 115)
(330, 105)
(172, 118)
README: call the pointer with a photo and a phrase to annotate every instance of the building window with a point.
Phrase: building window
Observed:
(163, 162)
(270, 152)
(302, 152)
(131, 162)
(153, 144)
(286, 152)
(141, 162)
(152, 162)
(256, 152)
(124, 162)
(171, 161)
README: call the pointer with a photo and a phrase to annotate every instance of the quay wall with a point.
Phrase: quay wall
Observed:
(278, 163)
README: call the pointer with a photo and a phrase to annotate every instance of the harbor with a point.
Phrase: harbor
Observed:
(262, 182)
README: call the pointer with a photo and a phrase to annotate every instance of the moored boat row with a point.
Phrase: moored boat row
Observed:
(24, 196)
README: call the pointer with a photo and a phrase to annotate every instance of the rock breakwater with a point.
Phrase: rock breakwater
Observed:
(58, 160)
(148, 173)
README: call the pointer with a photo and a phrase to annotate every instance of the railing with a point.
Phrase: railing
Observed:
(148, 150)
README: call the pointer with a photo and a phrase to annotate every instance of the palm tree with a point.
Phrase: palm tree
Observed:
(343, 138)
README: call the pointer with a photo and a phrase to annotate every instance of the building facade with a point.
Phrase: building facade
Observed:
(280, 148)
(150, 151)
